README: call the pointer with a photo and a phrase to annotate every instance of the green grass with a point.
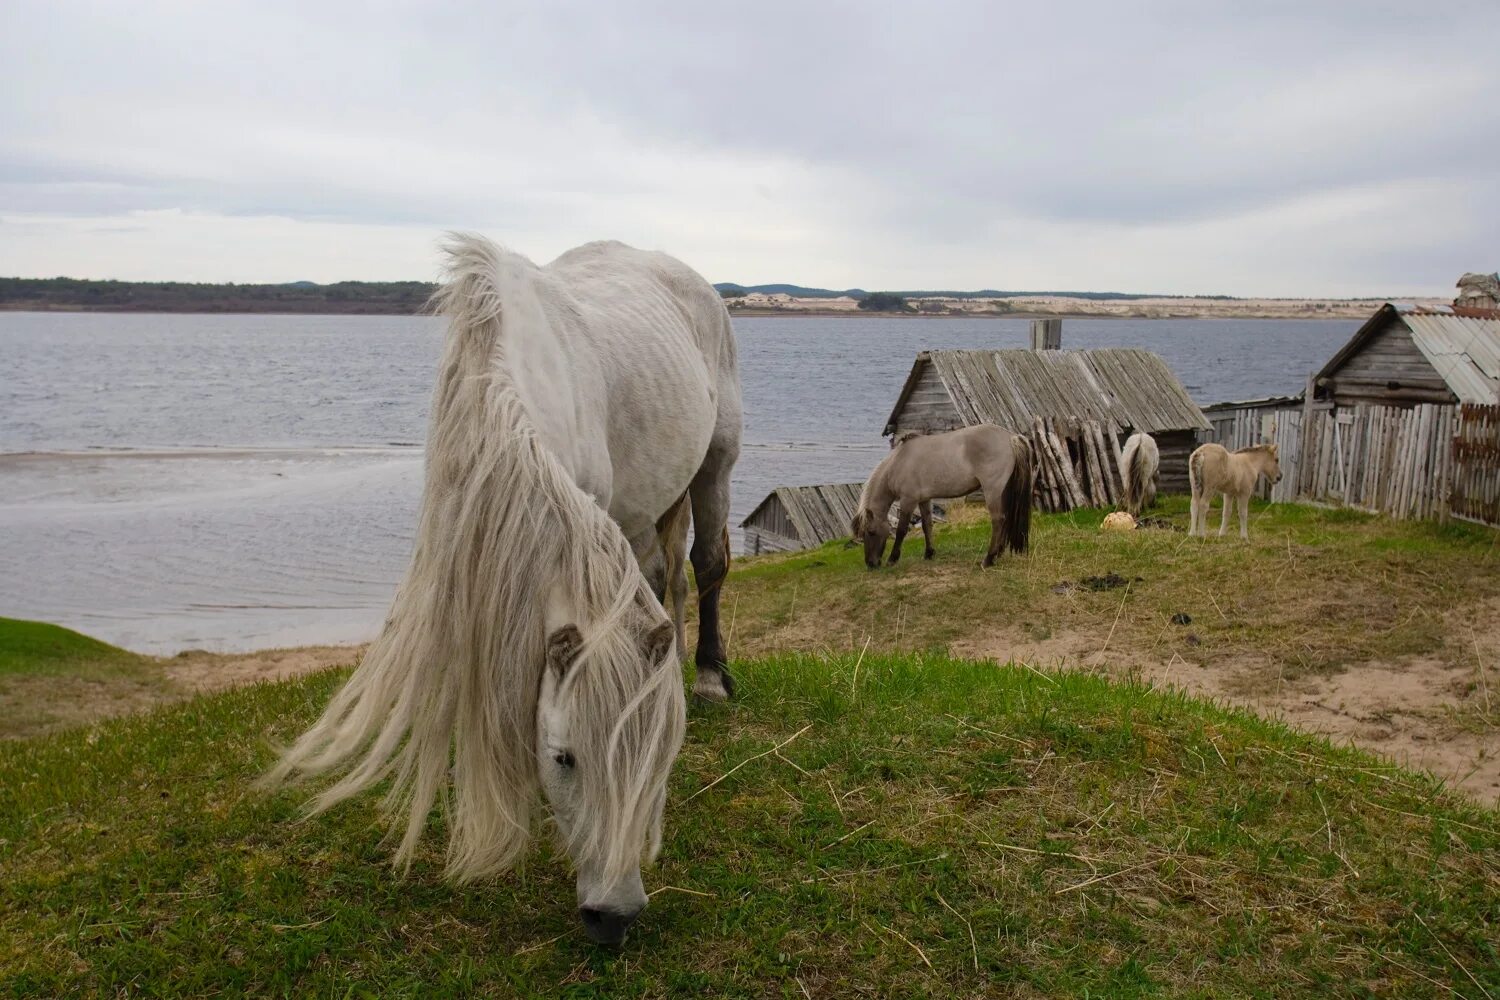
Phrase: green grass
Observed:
(939, 827)
(52, 677)
(1314, 590)
(28, 647)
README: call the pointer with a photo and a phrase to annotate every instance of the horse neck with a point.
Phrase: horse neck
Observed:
(877, 495)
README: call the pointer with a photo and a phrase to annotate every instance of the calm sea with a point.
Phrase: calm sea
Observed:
(241, 482)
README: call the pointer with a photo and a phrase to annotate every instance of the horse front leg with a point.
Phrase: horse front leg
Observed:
(1245, 517)
(903, 525)
(926, 509)
(710, 558)
(1224, 521)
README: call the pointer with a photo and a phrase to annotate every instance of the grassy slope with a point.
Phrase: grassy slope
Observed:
(1313, 590)
(937, 827)
(52, 676)
(36, 647)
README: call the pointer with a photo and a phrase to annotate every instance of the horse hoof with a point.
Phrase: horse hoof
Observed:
(713, 685)
(928, 554)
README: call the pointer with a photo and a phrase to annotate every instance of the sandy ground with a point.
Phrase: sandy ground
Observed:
(1412, 711)
(198, 672)
(1164, 307)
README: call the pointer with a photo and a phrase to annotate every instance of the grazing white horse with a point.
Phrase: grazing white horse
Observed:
(1212, 469)
(1140, 468)
(526, 649)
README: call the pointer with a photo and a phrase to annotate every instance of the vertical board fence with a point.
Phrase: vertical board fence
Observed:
(1475, 484)
(1386, 459)
(1426, 461)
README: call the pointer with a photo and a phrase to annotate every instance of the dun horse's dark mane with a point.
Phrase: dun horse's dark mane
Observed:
(1253, 447)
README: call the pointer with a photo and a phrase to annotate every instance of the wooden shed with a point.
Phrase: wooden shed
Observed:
(803, 517)
(1406, 355)
(1069, 402)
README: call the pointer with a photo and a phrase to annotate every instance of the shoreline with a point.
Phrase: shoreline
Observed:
(1343, 316)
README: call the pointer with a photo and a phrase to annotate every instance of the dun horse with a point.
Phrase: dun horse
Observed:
(922, 468)
(1212, 469)
(1140, 468)
(579, 408)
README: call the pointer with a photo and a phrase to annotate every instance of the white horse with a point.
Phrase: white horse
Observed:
(1212, 469)
(526, 648)
(1140, 468)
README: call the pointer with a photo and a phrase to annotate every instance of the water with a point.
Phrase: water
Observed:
(239, 482)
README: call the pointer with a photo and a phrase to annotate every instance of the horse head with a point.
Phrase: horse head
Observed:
(609, 722)
(1272, 466)
(873, 530)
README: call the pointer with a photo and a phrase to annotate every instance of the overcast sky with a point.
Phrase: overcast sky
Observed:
(1197, 147)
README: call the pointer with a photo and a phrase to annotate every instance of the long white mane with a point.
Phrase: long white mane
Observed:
(444, 702)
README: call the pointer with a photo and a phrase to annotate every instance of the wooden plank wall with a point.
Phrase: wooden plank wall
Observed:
(1385, 459)
(1476, 465)
(929, 408)
(1388, 369)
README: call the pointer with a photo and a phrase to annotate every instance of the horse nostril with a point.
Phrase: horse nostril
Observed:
(606, 926)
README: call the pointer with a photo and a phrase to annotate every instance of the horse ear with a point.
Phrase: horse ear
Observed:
(563, 646)
(659, 642)
(857, 526)
(1273, 451)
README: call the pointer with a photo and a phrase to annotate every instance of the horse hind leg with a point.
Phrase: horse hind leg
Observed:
(672, 532)
(709, 494)
(926, 509)
(1224, 520)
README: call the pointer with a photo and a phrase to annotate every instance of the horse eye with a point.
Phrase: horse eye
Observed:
(564, 759)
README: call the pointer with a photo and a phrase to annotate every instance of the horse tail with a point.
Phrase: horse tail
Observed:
(1139, 473)
(1015, 499)
(1195, 473)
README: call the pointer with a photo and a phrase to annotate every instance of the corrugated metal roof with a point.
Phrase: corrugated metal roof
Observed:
(1463, 345)
(1124, 386)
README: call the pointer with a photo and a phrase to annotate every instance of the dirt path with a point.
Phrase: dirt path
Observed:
(197, 672)
(1417, 712)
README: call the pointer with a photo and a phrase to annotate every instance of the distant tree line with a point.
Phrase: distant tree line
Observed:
(42, 294)
(883, 302)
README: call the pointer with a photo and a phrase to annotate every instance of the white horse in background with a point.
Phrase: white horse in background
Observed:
(1212, 469)
(580, 408)
(1140, 468)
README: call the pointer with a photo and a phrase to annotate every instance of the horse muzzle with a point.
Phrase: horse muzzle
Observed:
(606, 926)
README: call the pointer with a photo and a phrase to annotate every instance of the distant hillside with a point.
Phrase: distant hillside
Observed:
(802, 292)
(359, 297)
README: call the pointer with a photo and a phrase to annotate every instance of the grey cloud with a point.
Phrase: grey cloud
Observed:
(942, 124)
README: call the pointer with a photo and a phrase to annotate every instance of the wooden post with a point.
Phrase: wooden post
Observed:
(1046, 334)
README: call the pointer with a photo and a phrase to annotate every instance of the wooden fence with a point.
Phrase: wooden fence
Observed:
(1475, 478)
(1390, 460)
(1425, 461)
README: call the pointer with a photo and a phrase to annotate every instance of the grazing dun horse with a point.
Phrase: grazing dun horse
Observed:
(1140, 467)
(527, 648)
(1212, 469)
(921, 468)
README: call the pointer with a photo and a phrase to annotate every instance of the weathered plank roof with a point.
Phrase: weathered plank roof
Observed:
(1125, 386)
(1262, 403)
(818, 513)
(1461, 343)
